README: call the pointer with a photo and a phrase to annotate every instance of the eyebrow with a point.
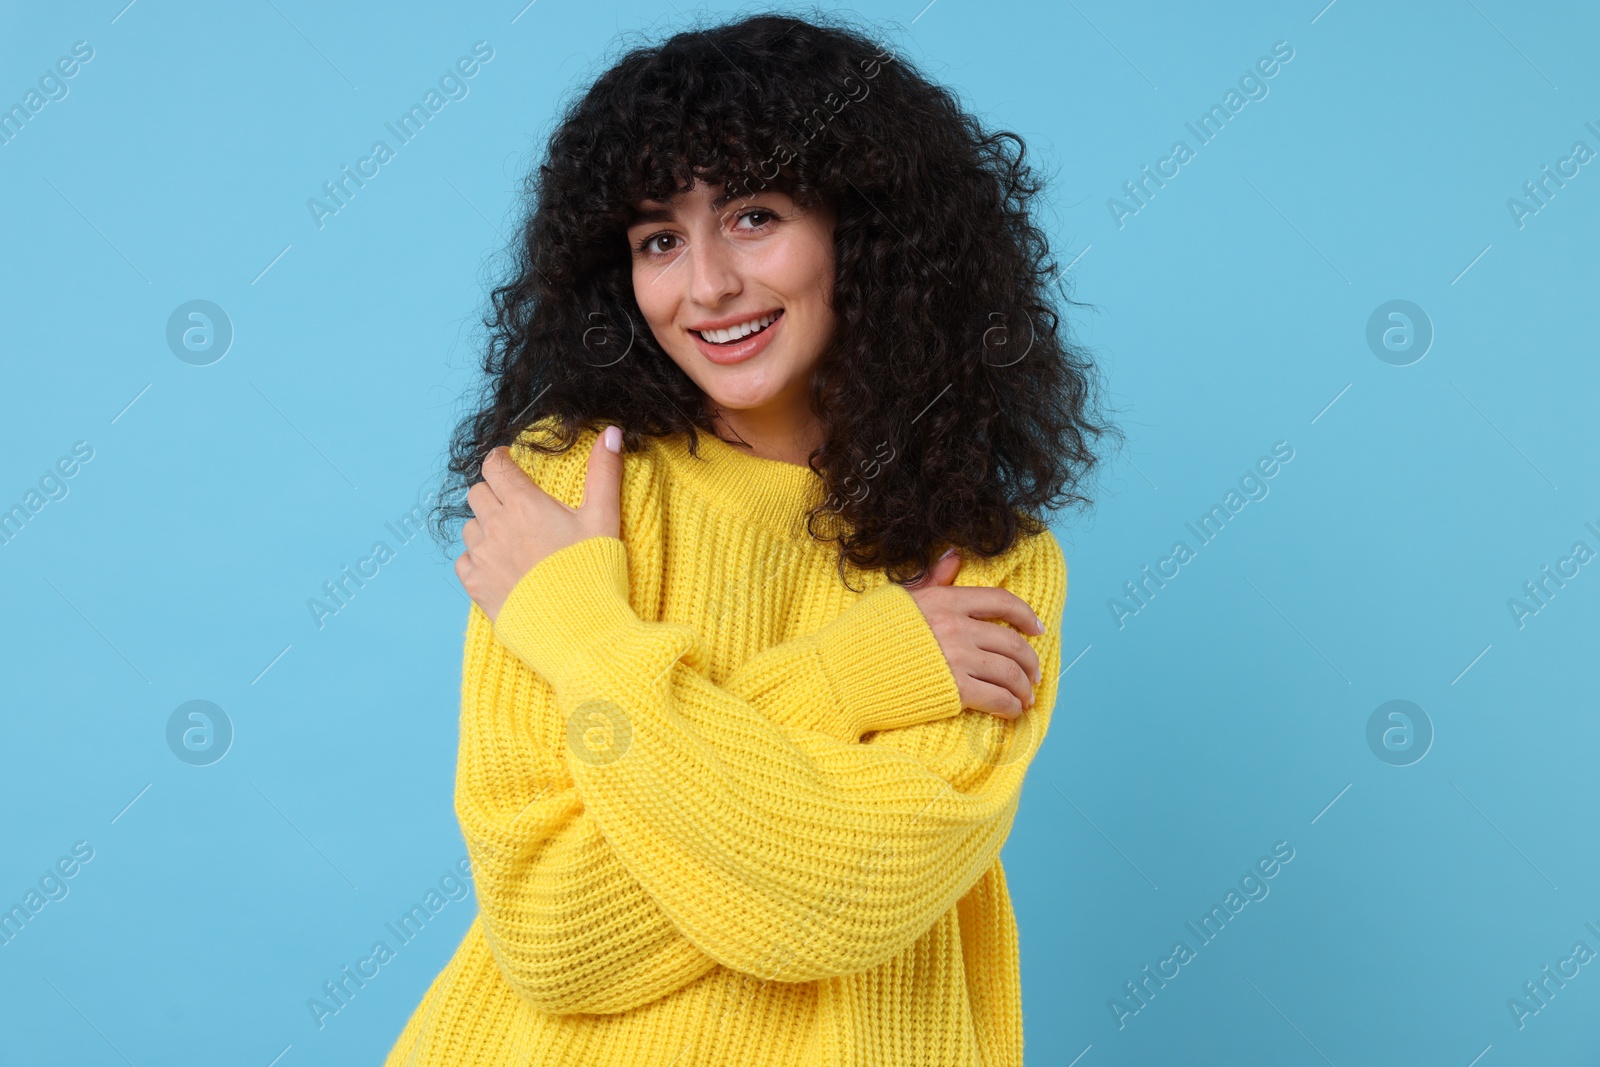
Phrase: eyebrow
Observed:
(643, 215)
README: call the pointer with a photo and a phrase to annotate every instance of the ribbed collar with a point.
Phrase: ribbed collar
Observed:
(770, 492)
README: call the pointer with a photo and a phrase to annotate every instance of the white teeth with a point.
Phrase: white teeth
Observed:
(743, 329)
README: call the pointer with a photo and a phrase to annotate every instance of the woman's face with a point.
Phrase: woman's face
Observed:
(737, 292)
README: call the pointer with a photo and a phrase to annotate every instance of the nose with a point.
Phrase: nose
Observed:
(714, 271)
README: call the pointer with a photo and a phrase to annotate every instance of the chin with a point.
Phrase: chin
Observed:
(742, 396)
(740, 401)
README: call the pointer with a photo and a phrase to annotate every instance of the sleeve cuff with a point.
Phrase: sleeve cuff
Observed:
(571, 602)
(885, 665)
(571, 611)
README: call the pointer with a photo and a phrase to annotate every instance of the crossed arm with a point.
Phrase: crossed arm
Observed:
(632, 824)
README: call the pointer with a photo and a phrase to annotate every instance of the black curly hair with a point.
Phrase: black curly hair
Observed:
(955, 410)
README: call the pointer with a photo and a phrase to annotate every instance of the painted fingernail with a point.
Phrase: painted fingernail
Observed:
(613, 436)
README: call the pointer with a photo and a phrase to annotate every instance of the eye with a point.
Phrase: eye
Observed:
(757, 212)
(647, 246)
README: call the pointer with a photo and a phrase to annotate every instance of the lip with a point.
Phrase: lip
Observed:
(743, 350)
(732, 320)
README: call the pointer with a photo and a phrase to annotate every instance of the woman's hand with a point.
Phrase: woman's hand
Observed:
(516, 524)
(995, 668)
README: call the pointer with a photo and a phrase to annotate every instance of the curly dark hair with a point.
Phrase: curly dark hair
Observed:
(955, 410)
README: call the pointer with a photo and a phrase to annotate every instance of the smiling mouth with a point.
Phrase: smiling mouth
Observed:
(734, 334)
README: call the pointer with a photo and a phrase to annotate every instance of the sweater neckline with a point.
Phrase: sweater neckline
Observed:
(772, 492)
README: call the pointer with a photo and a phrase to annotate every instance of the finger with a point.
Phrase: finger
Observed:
(943, 571)
(481, 499)
(471, 533)
(992, 602)
(505, 477)
(992, 637)
(1003, 671)
(996, 700)
(602, 484)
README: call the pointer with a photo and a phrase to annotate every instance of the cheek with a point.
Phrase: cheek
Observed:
(818, 288)
(653, 295)
(821, 255)
(803, 272)
(806, 281)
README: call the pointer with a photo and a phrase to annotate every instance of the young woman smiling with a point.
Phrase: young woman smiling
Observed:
(764, 632)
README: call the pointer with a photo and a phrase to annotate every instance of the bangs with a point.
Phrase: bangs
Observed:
(731, 152)
(765, 107)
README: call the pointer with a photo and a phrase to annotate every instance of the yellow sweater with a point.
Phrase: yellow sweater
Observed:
(722, 809)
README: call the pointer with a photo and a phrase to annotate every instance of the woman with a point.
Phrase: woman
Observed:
(738, 751)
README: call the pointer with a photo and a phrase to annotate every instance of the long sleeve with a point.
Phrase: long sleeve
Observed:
(569, 925)
(823, 682)
(774, 849)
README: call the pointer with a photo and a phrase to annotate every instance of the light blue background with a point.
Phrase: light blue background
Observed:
(1230, 313)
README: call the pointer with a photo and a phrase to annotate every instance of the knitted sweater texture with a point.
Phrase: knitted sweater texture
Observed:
(721, 807)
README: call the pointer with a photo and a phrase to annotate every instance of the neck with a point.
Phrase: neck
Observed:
(788, 436)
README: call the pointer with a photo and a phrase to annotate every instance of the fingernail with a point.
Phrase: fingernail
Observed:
(948, 552)
(1039, 623)
(613, 436)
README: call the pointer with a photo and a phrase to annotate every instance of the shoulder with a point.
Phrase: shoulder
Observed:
(558, 470)
(1035, 568)
(1048, 554)
(561, 471)
(1040, 563)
